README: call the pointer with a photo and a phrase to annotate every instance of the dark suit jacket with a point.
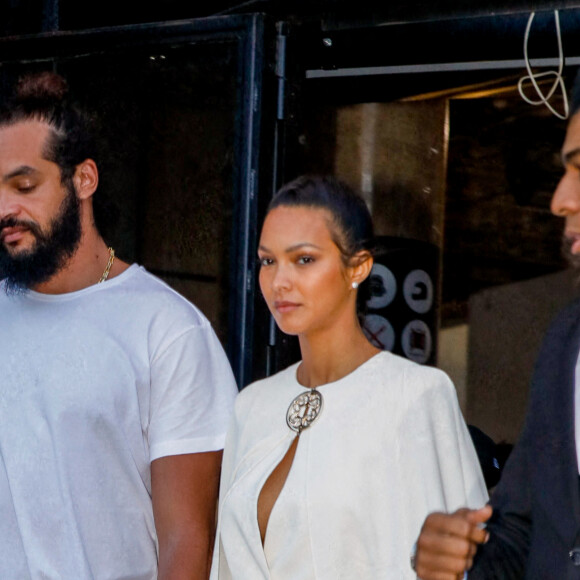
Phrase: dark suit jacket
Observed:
(536, 521)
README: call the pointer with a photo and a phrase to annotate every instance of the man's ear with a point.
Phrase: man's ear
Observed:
(361, 266)
(86, 179)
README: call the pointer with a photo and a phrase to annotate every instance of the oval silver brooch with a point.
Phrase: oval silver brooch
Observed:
(304, 410)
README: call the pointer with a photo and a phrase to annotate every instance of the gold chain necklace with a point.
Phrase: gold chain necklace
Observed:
(105, 274)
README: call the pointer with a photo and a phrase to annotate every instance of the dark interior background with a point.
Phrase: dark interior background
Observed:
(172, 114)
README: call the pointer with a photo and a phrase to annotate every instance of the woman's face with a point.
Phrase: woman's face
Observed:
(303, 278)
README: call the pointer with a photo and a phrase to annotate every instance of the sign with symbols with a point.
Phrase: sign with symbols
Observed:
(383, 287)
(418, 291)
(379, 332)
(416, 341)
(401, 312)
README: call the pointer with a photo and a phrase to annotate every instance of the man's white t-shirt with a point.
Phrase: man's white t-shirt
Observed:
(94, 385)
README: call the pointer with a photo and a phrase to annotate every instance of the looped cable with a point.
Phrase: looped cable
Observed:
(532, 78)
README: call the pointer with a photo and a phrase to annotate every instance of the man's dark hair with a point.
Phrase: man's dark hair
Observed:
(575, 95)
(45, 97)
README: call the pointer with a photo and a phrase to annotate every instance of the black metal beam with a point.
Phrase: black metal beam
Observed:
(50, 15)
(349, 15)
(453, 40)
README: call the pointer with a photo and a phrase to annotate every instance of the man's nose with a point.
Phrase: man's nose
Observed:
(8, 205)
(566, 198)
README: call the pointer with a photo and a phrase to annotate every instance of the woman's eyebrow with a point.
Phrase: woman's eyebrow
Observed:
(301, 245)
(293, 247)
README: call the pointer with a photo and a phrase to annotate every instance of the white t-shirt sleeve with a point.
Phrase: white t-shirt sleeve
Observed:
(192, 394)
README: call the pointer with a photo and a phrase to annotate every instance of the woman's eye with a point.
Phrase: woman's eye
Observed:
(302, 260)
(265, 261)
(25, 188)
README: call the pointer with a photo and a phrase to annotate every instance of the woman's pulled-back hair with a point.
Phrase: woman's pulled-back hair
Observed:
(351, 225)
(352, 229)
(45, 97)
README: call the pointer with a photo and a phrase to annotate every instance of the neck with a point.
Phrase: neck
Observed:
(330, 356)
(84, 268)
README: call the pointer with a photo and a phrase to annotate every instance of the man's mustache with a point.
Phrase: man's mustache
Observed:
(572, 259)
(14, 223)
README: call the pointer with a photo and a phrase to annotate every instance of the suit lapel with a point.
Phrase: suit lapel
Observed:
(556, 464)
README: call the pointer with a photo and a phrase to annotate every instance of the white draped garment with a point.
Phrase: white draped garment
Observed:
(389, 447)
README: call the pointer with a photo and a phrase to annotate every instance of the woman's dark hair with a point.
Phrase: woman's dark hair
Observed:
(351, 225)
(45, 97)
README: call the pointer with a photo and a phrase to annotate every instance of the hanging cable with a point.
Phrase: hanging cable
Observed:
(532, 78)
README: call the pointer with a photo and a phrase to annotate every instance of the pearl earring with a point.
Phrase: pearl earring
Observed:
(355, 285)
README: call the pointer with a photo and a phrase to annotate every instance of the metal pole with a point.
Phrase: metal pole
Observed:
(50, 15)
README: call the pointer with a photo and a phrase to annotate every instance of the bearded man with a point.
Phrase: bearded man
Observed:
(533, 523)
(115, 393)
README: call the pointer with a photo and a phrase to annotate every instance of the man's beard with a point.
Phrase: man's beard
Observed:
(50, 251)
(572, 259)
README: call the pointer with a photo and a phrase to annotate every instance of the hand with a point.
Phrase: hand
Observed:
(448, 542)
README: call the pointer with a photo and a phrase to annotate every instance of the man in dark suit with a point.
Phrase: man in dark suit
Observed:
(533, 523)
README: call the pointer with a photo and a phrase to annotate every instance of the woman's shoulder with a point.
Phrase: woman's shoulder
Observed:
(260, 408)
(394, 363)
(271, 385)
(413, 378)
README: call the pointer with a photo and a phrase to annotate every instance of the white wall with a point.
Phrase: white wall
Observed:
(507, 324)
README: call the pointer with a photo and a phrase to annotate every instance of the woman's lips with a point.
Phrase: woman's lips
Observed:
(284, 306)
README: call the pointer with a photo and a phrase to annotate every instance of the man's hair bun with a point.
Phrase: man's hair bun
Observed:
(41, 86)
